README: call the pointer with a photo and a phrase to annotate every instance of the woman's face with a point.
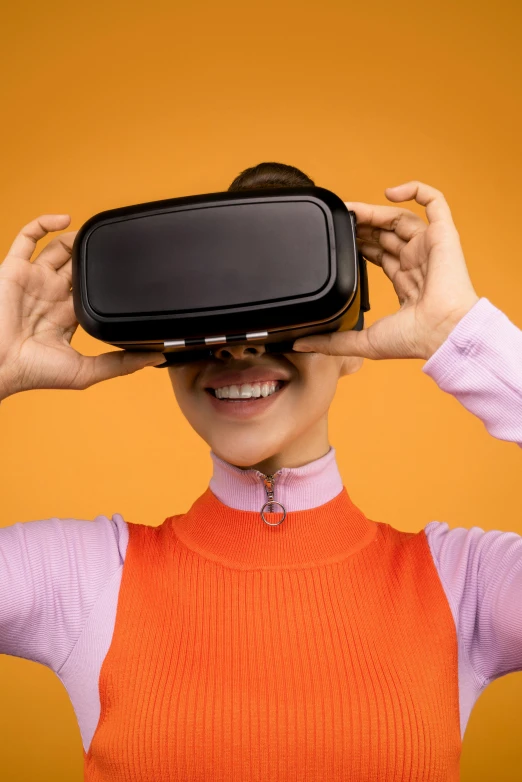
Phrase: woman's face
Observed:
(282, 407)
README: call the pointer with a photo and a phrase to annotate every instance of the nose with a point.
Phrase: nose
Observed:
(239, 351)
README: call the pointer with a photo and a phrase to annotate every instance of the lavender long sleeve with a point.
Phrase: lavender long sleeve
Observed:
(480, 363)
(60, 578)
(481, 572)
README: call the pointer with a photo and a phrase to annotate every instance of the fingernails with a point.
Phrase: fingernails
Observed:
(302, 347)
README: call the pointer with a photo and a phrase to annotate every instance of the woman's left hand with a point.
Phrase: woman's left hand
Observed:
(426, 265)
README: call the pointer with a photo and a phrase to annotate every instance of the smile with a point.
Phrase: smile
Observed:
(247, 390)
(252, 400)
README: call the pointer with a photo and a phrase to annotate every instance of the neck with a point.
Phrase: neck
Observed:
(296, 488)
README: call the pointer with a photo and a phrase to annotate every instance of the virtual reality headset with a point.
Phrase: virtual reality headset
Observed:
(184, 276)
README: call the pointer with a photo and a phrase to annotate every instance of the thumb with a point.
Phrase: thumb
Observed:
(340, 343)
(116, 363)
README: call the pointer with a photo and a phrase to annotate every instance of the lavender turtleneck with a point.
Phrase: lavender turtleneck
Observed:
(60, 578)
(296, 488)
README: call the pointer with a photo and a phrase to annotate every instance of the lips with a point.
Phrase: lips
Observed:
(243, 409)
(250, 375)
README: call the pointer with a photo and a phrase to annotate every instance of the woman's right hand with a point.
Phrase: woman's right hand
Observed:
(37, 319)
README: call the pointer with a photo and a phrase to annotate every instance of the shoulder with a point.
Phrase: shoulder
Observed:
(101, 539)
(473, 546)
(471, 560)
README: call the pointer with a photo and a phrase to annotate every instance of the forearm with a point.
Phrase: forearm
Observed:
(480, 363)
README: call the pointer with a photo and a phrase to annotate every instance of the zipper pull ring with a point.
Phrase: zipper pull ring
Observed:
(269, 481)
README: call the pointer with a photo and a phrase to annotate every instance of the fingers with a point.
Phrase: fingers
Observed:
(403, 222)
(348, 343)
(387, 239)
(95, 369)
(66, 272)
(437, 208)
(376, 254)
(24, 244)
(58, 252)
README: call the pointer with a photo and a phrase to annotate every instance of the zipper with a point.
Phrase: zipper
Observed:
(269, 484)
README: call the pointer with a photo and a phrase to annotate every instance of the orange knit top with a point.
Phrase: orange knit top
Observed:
(320, 649)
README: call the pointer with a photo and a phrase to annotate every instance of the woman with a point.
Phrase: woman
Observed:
(226, 644)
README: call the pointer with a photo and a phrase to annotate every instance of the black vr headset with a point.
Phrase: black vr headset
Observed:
(185, 275)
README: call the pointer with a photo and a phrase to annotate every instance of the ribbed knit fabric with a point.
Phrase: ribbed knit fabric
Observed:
(321, 649)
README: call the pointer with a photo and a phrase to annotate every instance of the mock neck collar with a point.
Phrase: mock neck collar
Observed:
(323, 525)
(239, 539)
(296, 488)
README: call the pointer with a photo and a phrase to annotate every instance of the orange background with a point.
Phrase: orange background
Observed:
(107, 105)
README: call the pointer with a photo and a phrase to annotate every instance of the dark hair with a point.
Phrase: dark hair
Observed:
(271, 175)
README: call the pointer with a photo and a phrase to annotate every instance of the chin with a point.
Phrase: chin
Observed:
(246, 453)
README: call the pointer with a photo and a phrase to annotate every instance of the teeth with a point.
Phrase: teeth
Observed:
(247, 390)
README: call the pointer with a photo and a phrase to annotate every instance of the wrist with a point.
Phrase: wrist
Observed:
(439, 335)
